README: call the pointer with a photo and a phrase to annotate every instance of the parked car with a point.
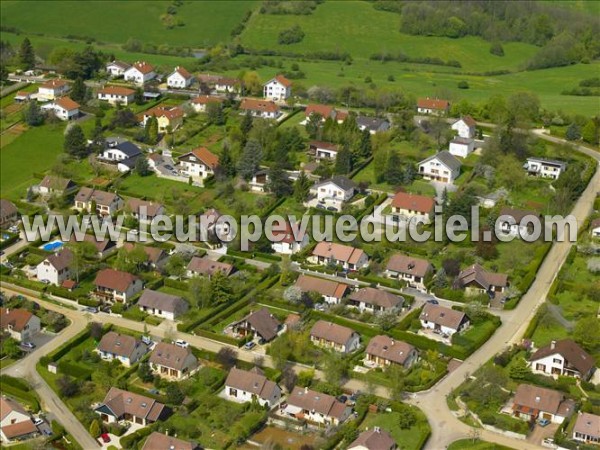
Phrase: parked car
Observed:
(332, 208)
(28, 345)
(543, 422)
(38, 421)
(105, 438)
(146, 340)
(181, 343)
(249, 345)
(45, 281)
(91, 309)
(433, 301)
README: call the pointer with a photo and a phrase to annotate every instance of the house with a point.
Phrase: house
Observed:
(124, 153)
(316, 407)
(331, 291)
(199, 164)
(260, 324)
(117, 69)
(9, 214)
(413, 205)
(324, 111)
(374, 301)
(168, 117)
(337, 337)
(56, 268)
(15, 421)
(22, 96)
(56, 185)
(323, 150)
(433, 106)
(162, 305)
(66, 109)
(116, 95)
(228, 85)
(532, 403)
(143, 210)
(265, 109)
(475, 280)
(383, 351)
(443, 320)
(335, 191)
(251, 385)
(180, 78)
(259, 181)
(126, 349)
(156, 257)
(52, 89)
(106, 203)
(277, 89)
(133, 408)
(461, 147)
(440, 167)
(207, 267)
(563, 358)
(19, 323)
(465, 127)
(517, 222)
(159, 441)
(201, 102)
(172, 361)
(372, 124)
(595, 228)
(410, 269)
(140, 73)
(349, 258)
(104, 246)
(209, 226)
(545, 168)
(288, 240)
(587, 428)
(375, 439)
(116, 286)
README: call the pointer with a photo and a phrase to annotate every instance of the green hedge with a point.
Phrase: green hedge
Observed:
(20, 390)
(131, 440)
(220, 337)
(8, 242)
(282, 305)
(176, 284)
(74, 370)
(61, 351)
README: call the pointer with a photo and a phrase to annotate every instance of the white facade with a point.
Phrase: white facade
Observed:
(434, 169)
(114, 154)
(331, 191)
(136, 76)
(443, 328)
(178, 81)
(462, 147)
(463, 129)
(60, 112)
(116, 98)
(349, 346)
(51, 91)
(127, 361)
(545, 169)
(241, 396)
(276, 90)
(46, 271)
(289, 248)
(115, 70)
(12, 418)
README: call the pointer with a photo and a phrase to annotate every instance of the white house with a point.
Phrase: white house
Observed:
(106, 203)
(413, 205)
(117, 68)
(63, 108)
(52, 89)
(372, 124)
(56, 185)
(440, 167)
(336, 337)
(227, 85)
(288, 240)
(375, 301)
(120, 405)
(348, 257)
(433, 106)
(122, 347)
(251, 385)
(19, 323)
(277, 89)
(201, 102)
(331, 291)
(56, 268)
(316, 407)
(461, 147)
(140, 73)
(532, 403)
(410, 269)
(587, 428)
(120, 151)
(172, 361)
(465, 127)
(595, 228)
(514, 222)
(265, 109)
(199, 164)
(323, 150)
(563, 358)
(162, 305)
(116, 95)
(443, 320)
(180, 78)
(116, 286)
(544, 168)
(335, 191)
(15, 421)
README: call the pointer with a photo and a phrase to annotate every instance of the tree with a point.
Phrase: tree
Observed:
(214, 112)
(10, 347)
(220, 288)
(406, 416)
(497, 49)
(365, 148)
(519, 369)
(97, 137)
(26, 55)
(335, 368)
(124, 118)
(524, 106)
(395, 375)
(151, 131)
(591, 131)
(226, 164)
(440, 280)
(142, 168)
(313, 125)
(289, 378)
(246, 126)
(573, 132)
(250, 160)
(75, 143)
(95, 429)
(138, 96)
(393, 169)
(79, 90)
(200, 291)
(302, 188)
(293, 294)
(587, 333)
(175, 266)
(174, 394)
(67, 386)
(486, 249)
(343, 162)
(32, 114)
(386, 320)
(451, 266)
(227, 357)
(279, 183)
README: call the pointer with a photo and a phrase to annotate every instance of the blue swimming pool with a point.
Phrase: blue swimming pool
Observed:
(52, 246)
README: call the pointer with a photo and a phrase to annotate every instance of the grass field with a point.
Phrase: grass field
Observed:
(412, 438)
(465, 444)
(206, 22)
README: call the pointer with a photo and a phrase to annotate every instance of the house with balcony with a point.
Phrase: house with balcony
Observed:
(410, 269)
(531, 403)
(133, 408)
(316, 407)
(563, 358)
(544, 168)
(97, 202)
(172, 362)
(383, 351)
(116, 286)
(122, 347)
(19, 323)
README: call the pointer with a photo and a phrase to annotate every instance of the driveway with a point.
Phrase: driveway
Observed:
(540, 433)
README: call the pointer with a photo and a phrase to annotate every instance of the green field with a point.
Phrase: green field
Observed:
(205, 22)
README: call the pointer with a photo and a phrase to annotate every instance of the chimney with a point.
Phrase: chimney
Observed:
(376, 429)
(553, 345)
(306, 390)
(392, 342)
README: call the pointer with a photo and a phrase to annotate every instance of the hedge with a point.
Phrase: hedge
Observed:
(74, 370)
(24, 282)
(281, 305)
(131, 440)
(220, 337)
(176, 284)
(7, 242)
(61, 351)
(18, 388)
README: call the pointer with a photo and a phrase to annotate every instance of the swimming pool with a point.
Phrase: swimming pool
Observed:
(52, 246)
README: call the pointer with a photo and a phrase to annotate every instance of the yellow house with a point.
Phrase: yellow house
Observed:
(167, 117)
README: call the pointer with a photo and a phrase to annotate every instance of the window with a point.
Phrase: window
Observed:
(557, 361)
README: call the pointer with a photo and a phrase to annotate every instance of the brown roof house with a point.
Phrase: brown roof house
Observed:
(375, 439)
(135, 408)
(159, 441)
(107, 203)
(56, 185)
(19, 323)
(323, 150)
(162, 305)
(265, 109)
(103, 246)
(261, 324)
(532, 403)
(180, 78)
(407, 268)
(384, 351)
(443, 320)
(516, 222)
(373, 300)
(337, 337)
(412, 205)
(144, 210)
(172, 361)
(348, 257)
(564, 357)
(587, 428)
(116, 286)
(157, 257)
(8, 213)
(15, 421)
(331, 291)
(116, 95)
(199, 164)
(475, 280)
(433, 106)
(249, 385)
(316, 407)
(126, 349)
(207, 267)
(56, 268)
(201, 102)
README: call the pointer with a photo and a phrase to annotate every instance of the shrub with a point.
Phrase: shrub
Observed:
(497, 49)
(291, 35)
(463, 85)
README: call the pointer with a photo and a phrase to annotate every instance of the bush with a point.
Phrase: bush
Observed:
(463, 85)
(497, 49)
(76, 371)
(291, 35)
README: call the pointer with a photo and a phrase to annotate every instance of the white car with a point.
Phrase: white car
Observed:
(38, 421)
(181, 343)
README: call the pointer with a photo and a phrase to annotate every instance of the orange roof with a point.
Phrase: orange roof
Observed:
(16, 318)
(206, 156)
(23, 94)
(413, 202)
(322, 110)
(431, 103)
(253, 104)
(169, 113)
(54, 84)
(67, 103)
(114, 279)
(116, 90)
(283, 80)
(143, 67)
(204, 99)
(184, 73)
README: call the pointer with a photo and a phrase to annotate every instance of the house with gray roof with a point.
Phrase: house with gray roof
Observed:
(162, 305)
(441, 167)
(248, 385)
(372, 124)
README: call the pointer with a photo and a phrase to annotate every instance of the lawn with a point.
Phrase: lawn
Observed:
(468, 444)
(416, 187)
(410, 439)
